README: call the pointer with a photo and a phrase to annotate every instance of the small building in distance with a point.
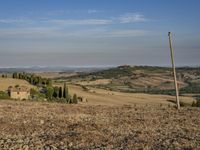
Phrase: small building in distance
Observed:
(19, 92)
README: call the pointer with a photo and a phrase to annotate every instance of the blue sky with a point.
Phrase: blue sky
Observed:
(98, 32)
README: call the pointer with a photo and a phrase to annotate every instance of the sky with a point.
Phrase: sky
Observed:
(98, 32)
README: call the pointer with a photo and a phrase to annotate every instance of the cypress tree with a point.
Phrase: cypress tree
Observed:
(60, 92)
(56, 92)
(65, 91)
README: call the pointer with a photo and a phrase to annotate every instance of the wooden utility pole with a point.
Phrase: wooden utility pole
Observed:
(174, 70)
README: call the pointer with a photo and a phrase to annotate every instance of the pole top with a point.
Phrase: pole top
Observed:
(169, 33)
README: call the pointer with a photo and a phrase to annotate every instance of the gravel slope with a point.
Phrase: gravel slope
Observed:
(36, 125)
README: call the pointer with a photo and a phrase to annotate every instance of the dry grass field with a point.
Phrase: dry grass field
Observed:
(97, 96)
(96, 82)
(6, 82)
(163, 82)
(37, 125)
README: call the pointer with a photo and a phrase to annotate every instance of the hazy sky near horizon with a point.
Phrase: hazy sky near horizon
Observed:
(98, 32)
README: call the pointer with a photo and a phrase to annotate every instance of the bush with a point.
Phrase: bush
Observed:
(4, 95)
(191, 88)
(197, 103)
(4, 76)
(36, 95)
(75, 99)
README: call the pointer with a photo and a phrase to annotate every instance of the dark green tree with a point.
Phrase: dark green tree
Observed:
(49, 93)
(39, 80)
(49, 82)
(31, 80)
(65, 91)
(60, 92)
(70, 101)
(15, 75)
(20, 76)
(56, 92)
(44, 81)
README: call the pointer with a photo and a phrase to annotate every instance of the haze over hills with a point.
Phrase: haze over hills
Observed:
(54, 69)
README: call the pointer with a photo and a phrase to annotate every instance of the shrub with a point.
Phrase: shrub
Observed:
(4, 76)
(49, 92)
(75, 99)
(37, 95)
(197, 103)
(4, 95)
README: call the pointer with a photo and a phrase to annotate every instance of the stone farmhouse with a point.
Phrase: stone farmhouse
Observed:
(19, 92)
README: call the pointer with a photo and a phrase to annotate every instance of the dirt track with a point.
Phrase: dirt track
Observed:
(35, 125)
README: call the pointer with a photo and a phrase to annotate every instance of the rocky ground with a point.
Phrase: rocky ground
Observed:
(37, 125)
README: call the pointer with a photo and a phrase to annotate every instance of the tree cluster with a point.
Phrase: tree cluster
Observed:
(33, 79)
(60, 94)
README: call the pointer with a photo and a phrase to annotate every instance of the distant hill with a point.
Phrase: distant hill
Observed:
(148, 79)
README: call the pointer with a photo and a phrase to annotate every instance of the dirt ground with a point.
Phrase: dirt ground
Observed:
(39, 125)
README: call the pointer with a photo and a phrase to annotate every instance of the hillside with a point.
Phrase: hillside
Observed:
(146, 79)
(36, 125)
(96, 96)
(6, 82)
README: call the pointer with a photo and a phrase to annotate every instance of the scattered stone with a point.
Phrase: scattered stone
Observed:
(41, 122)
(97, 127)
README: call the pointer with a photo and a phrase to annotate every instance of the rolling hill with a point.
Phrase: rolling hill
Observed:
(145, 79)
(6, 82)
